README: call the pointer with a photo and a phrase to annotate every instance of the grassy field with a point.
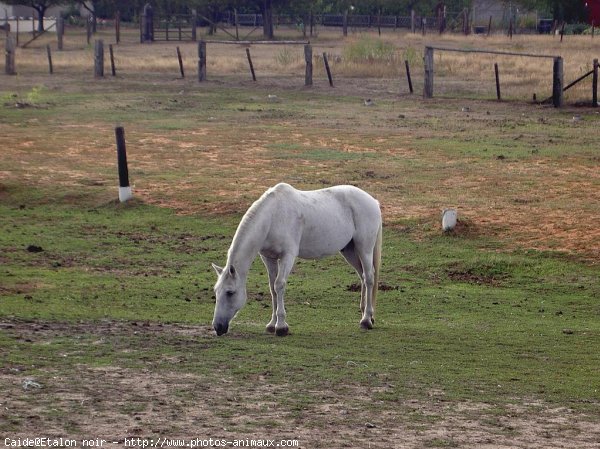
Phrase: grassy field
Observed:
(487, 337)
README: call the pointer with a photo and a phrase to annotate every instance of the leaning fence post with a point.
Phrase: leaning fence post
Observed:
(180, 59)
(250, 64)
(410, 86)
(428, 62)
(497, 81)
(99, 58)
(11, 48)
(112, 60)
(327, 69)
(202, 60)
(49, 53)
(308, 57)
(557, 82)
(124, 187)
(595, 85)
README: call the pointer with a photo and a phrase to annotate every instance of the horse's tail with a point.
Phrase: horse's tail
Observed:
(377, 264)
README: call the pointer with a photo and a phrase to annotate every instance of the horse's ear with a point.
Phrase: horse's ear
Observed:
(231, 270)
(217, 269)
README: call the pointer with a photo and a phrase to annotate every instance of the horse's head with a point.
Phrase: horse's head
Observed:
(230, 292)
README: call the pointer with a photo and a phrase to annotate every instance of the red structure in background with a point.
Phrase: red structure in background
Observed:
(593, 7)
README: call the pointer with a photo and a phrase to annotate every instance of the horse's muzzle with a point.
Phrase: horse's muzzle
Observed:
(221, 328)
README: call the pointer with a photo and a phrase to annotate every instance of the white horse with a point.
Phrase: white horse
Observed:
(285, 223)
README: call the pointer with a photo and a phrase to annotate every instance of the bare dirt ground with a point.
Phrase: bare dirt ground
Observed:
(116, 402)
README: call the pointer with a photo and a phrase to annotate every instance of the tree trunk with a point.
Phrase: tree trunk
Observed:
(268, 19)
(92, 14)
(41, 10)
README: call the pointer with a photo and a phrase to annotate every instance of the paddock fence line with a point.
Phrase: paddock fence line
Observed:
(557, 69)
(559, 87)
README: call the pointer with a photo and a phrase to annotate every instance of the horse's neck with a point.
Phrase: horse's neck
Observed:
(248, 240)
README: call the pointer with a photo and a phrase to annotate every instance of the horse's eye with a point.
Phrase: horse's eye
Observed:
(229, 293)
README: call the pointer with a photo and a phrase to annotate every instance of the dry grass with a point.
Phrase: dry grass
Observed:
(470, 75)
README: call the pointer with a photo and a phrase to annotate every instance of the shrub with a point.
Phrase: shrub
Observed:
(368, 49)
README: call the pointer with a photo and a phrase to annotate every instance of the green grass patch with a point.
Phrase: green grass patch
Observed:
(476, 325)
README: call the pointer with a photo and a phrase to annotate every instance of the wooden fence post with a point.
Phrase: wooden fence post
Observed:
(202, 60)
(428, 62)
(250, 64)
(49, 53)
(489, 26)
(180, 59)
(99, 58)
(60, 32)
(195, 27)
(595, 85)
(236, 23)
(11, 48)
(118, 27)
(327, 69)
(557, 82)
(410, 86)
(124, 188)
(308, 58)
(345, 23)
(497, 81)
(112, 60)
(412, 21)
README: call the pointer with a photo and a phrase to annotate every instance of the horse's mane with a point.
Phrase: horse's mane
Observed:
(249, 218)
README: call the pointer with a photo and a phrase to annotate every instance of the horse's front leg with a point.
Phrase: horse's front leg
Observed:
(286, 263)
(272, 268)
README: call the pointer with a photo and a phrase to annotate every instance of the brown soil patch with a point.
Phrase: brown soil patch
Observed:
(226, 160)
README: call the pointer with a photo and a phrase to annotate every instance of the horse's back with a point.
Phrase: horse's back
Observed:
(324, 221)
(341, 200)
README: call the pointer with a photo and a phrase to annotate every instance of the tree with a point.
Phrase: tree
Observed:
(91, 6)
(567, 10)
(39, 5)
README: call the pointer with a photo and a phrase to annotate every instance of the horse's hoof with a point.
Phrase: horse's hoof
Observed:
(366, 324)
(270, 329)
(282, 331)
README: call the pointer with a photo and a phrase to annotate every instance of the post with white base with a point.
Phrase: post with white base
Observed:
(449, 219)
(124, 188)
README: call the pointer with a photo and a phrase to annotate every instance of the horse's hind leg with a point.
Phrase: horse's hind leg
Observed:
(351, 257)
(271, 265)
(366, 259)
